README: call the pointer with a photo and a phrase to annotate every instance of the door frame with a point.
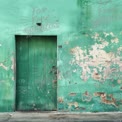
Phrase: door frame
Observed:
(15, 66)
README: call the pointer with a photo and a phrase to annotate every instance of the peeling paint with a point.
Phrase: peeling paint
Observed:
(116, 40)
(75, 104)
(72, 94)
(13, 64)
(3, 66)
(86, 96)
(89, 55)
(60, 99)
(98, 58)
(104, 99)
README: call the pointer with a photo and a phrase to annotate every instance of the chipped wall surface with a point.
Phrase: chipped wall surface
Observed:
(89, 38)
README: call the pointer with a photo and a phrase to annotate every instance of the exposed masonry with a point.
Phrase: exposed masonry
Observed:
(3, 66)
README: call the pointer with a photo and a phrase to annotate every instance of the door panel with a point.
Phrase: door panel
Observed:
(36, 73)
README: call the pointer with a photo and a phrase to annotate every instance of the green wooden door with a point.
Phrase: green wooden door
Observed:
(36, 59)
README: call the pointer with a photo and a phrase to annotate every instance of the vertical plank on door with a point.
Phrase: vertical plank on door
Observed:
(51, 72)
(22, 73)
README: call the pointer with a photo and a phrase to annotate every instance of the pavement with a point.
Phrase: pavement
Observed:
(60, 117)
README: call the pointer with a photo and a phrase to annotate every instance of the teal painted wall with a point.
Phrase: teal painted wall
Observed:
(89, 50)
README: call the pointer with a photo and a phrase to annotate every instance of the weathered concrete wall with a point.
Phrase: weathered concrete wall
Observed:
(89, 50)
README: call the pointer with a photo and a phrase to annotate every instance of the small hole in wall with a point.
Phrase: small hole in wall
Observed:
(53, 67)
(55, 72)
(84, 33)
(39, 24)
(60, 46)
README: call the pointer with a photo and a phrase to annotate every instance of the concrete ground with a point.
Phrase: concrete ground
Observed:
(60, 117)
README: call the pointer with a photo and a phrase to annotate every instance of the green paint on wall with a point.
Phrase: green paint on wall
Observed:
(89, 55)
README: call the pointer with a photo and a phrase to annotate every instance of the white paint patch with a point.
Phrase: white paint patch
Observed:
(96, 35)
(106, 34)
(12, 78)
(59, 63)
(111, 33)
(3, 66)
(74, 70)
(116, 40)
(97, 58)
(12, 66)
(120, 49)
